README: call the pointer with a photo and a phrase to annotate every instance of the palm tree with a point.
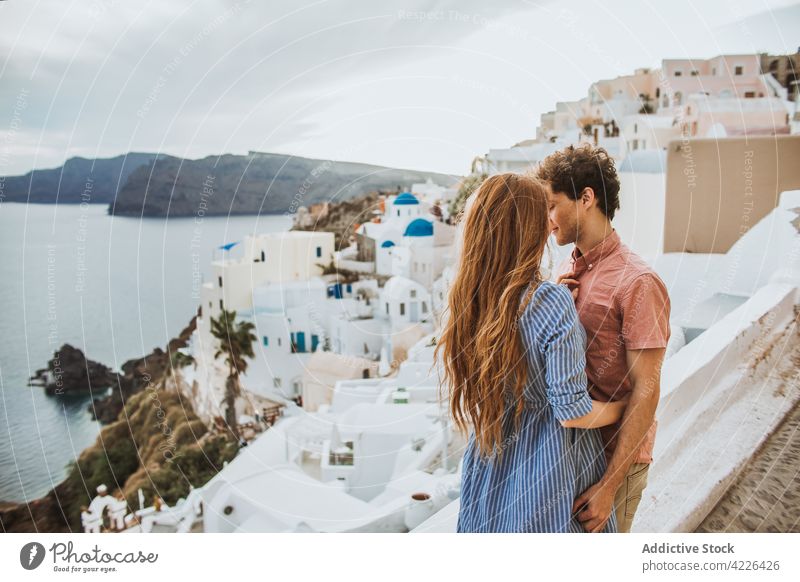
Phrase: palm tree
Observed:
(236, 342)
(181, 360)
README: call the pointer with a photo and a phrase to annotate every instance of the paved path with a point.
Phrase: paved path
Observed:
(766, 496)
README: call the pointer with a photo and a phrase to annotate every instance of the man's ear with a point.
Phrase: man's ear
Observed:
(587, 197)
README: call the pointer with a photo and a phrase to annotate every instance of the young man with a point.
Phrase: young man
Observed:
(624, 307)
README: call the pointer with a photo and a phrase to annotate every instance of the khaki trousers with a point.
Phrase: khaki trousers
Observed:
(629, 495)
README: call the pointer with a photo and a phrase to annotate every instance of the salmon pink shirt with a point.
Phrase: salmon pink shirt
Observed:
(623, 305)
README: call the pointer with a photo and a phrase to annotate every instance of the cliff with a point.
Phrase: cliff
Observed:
(253, 184)
(94, 181)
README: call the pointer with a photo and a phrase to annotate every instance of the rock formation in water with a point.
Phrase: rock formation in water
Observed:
(69, 372)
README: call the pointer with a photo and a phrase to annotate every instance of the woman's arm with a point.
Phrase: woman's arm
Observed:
(602, 414)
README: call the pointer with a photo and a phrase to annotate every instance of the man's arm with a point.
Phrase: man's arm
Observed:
(644, 369)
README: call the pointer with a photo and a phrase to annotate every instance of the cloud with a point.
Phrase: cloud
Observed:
(193, 78)
(412, 83)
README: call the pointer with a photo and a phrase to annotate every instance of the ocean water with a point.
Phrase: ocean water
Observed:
(115, 288)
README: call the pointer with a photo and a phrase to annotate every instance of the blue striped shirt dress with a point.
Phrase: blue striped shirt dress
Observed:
(531, 487)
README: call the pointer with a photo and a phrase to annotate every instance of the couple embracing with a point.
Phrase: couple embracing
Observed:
(557, 382)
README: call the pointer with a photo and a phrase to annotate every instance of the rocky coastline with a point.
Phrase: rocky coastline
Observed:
(151, 440)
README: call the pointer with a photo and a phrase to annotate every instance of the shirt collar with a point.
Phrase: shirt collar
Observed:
(605, 247)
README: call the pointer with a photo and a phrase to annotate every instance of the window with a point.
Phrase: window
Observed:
(402, 309)
(738, 71)
(694, 73)
(387, 308)
(263, 256)
(220, 281)
(276, 382)
(342, 457)
(349, 288)
(424, 307)
(635, 128)
(266, 340)
(749, 94)
(319, 251)
(714, 71)
(678, 73)
(280, 343)
(220, 304)
(365, 373)
(413, 293)
(398, 213)
(658, 92)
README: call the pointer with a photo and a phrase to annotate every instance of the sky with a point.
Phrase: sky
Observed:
(419, 84)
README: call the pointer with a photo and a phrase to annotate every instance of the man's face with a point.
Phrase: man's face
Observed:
(563, 214)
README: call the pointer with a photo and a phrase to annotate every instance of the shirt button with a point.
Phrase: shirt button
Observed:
(590, 265)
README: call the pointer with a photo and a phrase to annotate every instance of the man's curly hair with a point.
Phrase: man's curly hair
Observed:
(574, 168)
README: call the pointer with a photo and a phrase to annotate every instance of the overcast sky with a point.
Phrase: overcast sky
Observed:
(404, 83)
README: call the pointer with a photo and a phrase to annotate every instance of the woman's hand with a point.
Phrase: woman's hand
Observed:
(571, 282)
(602, 414)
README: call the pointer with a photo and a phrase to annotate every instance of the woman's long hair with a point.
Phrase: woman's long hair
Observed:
(504, 237)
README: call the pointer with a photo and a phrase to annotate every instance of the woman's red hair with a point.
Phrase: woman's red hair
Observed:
(504, 237)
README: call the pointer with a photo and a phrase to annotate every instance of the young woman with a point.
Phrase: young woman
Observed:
(514, 356)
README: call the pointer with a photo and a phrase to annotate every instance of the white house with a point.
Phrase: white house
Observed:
(266, 258)
(405, 302)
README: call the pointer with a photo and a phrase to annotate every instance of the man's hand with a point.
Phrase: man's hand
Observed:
(594, 506)
(570, 281)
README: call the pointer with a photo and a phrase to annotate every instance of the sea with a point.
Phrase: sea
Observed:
(114, 287)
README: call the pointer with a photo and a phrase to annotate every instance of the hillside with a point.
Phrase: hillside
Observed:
(95, 181)
(152, 440)
(253, 184)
